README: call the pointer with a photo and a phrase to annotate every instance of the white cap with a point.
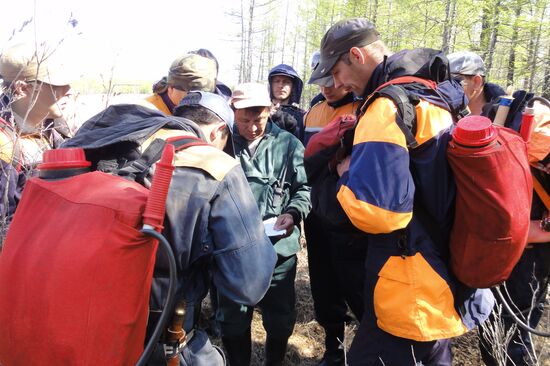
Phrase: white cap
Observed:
(30, 62)
(250, 95)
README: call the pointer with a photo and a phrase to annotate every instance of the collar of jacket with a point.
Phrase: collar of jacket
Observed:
(491, 91)
(347, 99)
(166, 99)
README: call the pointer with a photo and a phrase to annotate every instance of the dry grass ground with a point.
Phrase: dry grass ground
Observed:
(306, 345)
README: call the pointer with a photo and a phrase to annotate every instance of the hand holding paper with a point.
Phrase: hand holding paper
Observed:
(269, 227)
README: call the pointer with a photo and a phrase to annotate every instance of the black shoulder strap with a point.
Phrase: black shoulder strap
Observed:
(406, 109)
(280, 184)
(137, 170)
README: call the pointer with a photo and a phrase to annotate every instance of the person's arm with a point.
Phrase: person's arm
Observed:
(536, 234)
(377, 191)
(11, 187)
(299, 203)
(243, 254)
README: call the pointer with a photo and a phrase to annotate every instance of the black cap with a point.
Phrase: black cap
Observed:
(339, 39)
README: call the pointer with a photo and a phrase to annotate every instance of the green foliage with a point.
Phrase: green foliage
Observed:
(511, 35)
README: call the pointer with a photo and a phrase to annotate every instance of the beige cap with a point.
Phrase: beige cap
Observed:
(29, 62)
(193, 72)
(250, 95)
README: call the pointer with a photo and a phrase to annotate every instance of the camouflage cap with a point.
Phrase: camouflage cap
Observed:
(193, 72)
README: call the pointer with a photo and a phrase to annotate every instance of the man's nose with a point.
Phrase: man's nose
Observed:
(337, 83)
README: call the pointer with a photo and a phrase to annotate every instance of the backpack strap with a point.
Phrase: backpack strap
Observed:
(408, 80)
(541, 192)
(406, 107)
(401, 91)
(138, 169)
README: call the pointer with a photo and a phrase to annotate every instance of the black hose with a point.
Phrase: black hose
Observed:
(170, 298)
(517, 320)
(542, 100)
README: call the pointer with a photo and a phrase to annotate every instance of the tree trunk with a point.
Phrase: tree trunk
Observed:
(494, 37)
(249, 51)
(446, 27)
(242, 66)
(513, 41)
(532, 67)
(295, 44)
(546, 81)
(284, 32)
(454, 26)
(486, 30)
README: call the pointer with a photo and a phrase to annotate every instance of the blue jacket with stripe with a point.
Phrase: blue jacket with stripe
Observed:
(405, 200)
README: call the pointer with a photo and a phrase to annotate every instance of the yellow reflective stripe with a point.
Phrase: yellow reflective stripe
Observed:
(322, 114)
(430, 120)
(378, 124)
(412, 301)
(370, 218)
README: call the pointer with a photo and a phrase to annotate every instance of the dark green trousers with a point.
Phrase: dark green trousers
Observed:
(277, 307)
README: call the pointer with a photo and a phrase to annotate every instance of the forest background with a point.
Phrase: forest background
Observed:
(512, 36)
(124, 48)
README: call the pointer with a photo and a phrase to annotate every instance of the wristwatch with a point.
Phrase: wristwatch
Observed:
(545, 224)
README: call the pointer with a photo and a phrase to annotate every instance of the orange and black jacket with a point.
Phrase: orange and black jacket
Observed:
(322, 179)
(162, 102)
(405, 200)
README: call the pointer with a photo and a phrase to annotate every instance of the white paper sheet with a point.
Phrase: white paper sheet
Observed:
(269, 230)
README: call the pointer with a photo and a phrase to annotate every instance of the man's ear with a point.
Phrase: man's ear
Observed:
(356, 54)
(478, 82)
(21, 89)
(217, 131)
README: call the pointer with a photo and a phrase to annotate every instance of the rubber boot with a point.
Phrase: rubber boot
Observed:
(275, 350)
(334, 338)
(238, 349)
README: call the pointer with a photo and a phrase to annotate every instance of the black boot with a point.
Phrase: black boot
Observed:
(334, 338)
(275, 350)
(238, 349)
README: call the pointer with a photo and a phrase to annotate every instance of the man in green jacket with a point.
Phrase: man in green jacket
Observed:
(273, 163)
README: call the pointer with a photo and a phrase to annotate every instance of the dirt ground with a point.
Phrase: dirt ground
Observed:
(306, 345)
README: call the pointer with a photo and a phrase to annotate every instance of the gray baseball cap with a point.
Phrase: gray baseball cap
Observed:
(327, 81)
(339, 39)
(466, 63)
(213, 102)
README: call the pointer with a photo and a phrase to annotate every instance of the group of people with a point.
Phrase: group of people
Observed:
(368, 204)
